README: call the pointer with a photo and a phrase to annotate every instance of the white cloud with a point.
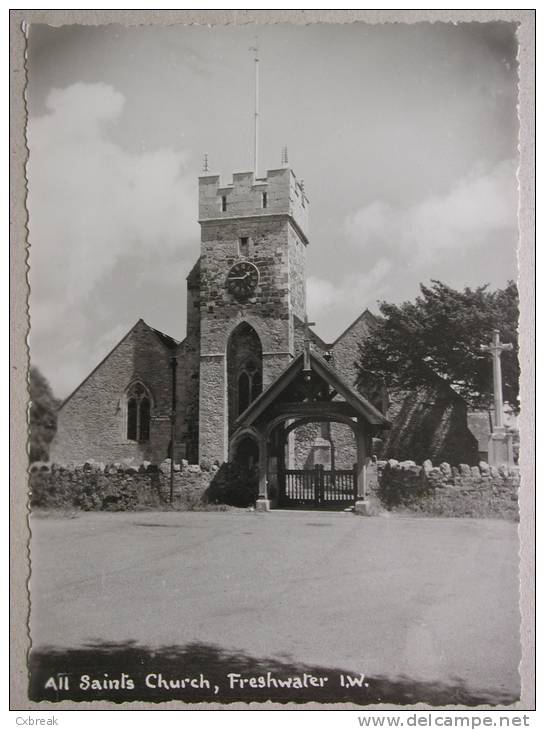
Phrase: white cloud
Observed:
(335, 305)
(395, 247)
(471, 213)
(90, 202)
(92, 205)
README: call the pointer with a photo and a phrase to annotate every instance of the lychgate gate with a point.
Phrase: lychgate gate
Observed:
(318, 487)
(308, 390)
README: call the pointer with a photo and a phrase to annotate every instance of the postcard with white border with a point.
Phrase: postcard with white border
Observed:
(279, 292)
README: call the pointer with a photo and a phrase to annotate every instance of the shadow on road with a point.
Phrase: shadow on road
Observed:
(106, 663)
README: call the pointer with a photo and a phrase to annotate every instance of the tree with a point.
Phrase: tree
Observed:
(43, 416)
(439, 335)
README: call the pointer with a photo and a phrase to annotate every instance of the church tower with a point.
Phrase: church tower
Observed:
(252, 285)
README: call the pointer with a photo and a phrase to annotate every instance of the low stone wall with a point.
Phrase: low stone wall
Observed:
(97, 486)
(449, 491)
(444, 490)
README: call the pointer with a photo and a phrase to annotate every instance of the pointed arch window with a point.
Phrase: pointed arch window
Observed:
(250, 384)
(244, 369)
(257, 384)
(243, 391)
(138, 413)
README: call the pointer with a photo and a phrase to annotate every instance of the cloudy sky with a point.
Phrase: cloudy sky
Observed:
(405, 136)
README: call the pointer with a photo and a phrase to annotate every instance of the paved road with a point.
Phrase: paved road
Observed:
(429, 599)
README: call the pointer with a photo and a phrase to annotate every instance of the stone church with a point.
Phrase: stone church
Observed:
(251, 380)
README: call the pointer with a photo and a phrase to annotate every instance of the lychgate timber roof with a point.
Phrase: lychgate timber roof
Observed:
(357, 405)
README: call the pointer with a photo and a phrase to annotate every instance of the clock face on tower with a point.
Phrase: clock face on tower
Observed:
(242, 279)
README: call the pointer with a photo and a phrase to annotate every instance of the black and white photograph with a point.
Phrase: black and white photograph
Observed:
(274, 442)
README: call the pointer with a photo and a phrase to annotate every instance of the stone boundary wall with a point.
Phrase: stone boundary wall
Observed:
(449, 491)
(442, 491)
(119, 486)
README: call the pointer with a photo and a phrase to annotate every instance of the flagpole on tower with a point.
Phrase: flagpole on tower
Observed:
(255, 49)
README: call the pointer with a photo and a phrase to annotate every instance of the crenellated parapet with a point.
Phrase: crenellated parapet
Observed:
(279, 193)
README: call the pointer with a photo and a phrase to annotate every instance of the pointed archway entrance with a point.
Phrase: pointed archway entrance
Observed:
(309, 390)
(319, 483)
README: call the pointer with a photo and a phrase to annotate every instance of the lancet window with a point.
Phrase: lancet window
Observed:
(138, 401)
(250, 384)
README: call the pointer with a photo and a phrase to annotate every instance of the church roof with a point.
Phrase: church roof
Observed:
(361, 406)
(367, 317)
(194, 277)
(167, 340)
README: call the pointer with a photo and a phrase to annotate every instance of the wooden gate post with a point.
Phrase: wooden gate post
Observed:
(263, 503)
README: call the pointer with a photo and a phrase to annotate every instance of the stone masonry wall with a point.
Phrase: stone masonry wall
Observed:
(91, 422)
(97, 486)
(187, 397)
(243, 196)
(345, 349)
(187, 380)
(220, 310)
(303, 439)
(449, 491)
(213, 425)
(268, 313)
(297, 254)
(344, 442)
(443, 491)
(341, 436)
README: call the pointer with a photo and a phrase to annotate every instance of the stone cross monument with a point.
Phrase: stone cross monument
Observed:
(500, 444)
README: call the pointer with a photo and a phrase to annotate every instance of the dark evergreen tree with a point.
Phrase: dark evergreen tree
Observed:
(440, 335)
(43, 416)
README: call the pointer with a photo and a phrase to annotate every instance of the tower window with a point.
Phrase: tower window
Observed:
(250, 385)
(138, 413)
(243, 391)
(223, 203)
(243, 246)
(257, 385)
(263, 200)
